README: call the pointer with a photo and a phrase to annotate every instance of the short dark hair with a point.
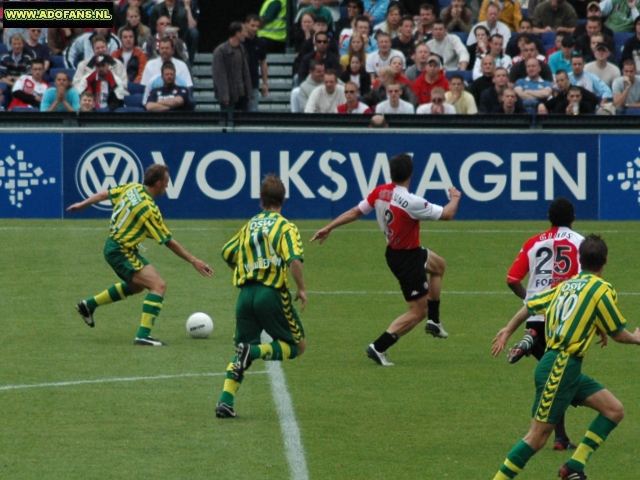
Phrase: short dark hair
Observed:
(359, 5)
(562, 71)
(126, 29)
(577, 55)
(428, 7)
(401, 167)
(252, 17)
(155, 173)
(320, 33)
(561, 213)
(594, 18)
(439, 21)
(361, 18)
(313, 64)
(97, 38)
(39, 61)
(272, 191)
(234, 28)
(320, 19)
(168, 65)
(526, 19)
(568, 41)
(407, 18)
(593, 253)
(458, 76)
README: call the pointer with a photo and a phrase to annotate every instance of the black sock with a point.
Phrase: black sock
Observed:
(433, 307)
(385, 341)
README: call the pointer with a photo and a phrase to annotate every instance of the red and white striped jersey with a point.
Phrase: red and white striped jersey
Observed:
(30, 86)
(399, 213)
(548, 258)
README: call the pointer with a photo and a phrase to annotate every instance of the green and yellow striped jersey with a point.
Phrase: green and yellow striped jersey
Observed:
(576, 310)
(135, 216)
(263, 249)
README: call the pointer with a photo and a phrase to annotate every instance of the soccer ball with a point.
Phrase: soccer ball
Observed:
(199, 325)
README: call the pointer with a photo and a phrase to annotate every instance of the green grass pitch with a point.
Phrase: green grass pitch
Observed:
(80, 403)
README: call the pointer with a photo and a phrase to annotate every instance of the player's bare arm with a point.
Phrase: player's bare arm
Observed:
(93, 199)
(451, 208)
(297, 274)
(503, 335)
(204, 269)
(625, 336)
(347, 217)
(518, 289)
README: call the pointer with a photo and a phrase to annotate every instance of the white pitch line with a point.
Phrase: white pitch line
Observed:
(111, 380)
(288, 424)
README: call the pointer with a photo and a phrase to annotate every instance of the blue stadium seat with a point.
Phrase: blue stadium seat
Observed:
(4, 88)
(632, 111)
(54, 71)
(463, 36)
(466, 74)
(130, 109)
(24, 109)
(133, 100)
(135, 87)
(621, 37)
(57, 61)
(3, 48)
(444, 4)
(548, 38)
(524, 12)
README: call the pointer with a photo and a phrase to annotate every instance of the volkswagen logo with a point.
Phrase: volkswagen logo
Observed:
(105, 166)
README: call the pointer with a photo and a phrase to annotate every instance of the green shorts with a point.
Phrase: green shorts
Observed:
(125, 262)
(560, 383)
(264, 308)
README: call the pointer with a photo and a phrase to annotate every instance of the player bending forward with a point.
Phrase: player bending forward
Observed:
(399, 213)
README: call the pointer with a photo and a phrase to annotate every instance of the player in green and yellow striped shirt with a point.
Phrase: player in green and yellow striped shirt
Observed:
(576, 311)
(260, 255)
(136, 217)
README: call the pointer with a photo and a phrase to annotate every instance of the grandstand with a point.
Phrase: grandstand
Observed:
(280, 83)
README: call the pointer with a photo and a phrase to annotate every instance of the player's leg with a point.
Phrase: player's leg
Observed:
(278, 317)
(521, 453)
(610, 414)
(148, 278)
(248, 331)
(435, 267)
(402, 325)
(533, 342)
(125, 264)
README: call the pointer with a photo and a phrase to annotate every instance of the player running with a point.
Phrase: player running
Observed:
(548, 258)
(399, 213)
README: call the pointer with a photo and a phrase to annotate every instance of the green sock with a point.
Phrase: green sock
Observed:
(516, 460)
(276, 351)
(230, 388)
(114, 293)
(150, 310)
(597, 433)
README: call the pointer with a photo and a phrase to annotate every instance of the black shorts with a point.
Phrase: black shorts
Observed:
(410, 268)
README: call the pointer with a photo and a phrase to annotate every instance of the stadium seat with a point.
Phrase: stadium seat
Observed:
(632, 111)
(466, 74)
(130, 109)
(24, 109)
(133, 100)
(444, 4)
(57, 61)
(548, 38)
(462, 36)
(135, 87)
(3, 48)
(621, 37)
(54, 71)
(524, 12)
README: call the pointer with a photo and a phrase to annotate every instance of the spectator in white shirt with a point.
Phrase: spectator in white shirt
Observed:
(382, 57)
(492, 23)
(394, 104)
(437, 106)
(454, 54)
(326, 98)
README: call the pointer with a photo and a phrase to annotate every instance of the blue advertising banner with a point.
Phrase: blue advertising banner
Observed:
(217, 175)
(619, 177)
(30, 175)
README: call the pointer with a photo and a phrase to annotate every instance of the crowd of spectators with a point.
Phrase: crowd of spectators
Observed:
(142, 63)
(501, 57)
(394, 53)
